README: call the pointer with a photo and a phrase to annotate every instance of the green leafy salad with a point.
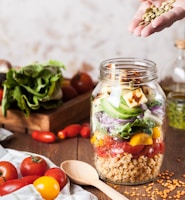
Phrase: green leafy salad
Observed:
(33, 87)
(125, 121)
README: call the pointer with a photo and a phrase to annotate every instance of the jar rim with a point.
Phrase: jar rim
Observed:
(128, 69)
(133, 60)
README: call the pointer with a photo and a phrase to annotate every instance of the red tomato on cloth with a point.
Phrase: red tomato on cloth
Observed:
(11, 186)
(58, 174)
(28, 191)
(33, 165)
(7, 171)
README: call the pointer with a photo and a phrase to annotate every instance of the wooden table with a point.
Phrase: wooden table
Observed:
(81, 149)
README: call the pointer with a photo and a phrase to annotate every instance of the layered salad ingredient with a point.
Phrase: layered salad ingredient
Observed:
(127, 133)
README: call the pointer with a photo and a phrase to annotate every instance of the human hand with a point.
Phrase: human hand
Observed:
(159, 23)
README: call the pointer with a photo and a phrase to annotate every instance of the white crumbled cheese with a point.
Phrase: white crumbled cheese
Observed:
(114, 97)
(135, 98)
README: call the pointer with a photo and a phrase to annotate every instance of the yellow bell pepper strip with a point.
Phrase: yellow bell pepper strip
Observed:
(141, 139)
(156, 132)
(97, 139)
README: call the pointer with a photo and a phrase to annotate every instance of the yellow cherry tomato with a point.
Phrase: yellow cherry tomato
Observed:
(141, 139)
(47, 186)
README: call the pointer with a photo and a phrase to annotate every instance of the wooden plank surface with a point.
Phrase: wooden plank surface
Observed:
(85, 151)
(56, 152)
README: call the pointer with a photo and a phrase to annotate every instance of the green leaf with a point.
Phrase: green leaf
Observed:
(56, 63)
(139, 125)
(33, 86)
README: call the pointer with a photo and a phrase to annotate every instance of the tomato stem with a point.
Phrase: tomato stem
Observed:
(36, 159)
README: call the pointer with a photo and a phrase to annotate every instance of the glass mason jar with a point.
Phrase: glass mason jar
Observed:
(127, 121)
(175, 109)
(173, 75)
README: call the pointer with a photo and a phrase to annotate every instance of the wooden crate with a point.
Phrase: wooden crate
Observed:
(73, 111)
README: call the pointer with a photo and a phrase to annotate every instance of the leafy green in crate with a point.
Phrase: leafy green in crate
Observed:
(32, 87)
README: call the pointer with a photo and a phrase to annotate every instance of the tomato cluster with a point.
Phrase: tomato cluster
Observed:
(112, 148)
(75, 130)
(34, 170)
(70, 131)
(80, 83)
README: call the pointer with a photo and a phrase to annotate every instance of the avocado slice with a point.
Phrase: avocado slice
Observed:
(113, 111)
(125, 109)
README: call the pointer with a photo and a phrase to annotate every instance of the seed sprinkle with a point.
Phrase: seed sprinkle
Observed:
(171, 188)
(153, 12)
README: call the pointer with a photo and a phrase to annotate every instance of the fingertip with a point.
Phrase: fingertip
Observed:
(134, 24)
(130, 28)
(137, 33)
(146, 32)
(134, 32)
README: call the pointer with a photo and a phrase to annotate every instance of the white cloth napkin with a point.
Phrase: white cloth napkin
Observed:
(69, 192)
(5, 134)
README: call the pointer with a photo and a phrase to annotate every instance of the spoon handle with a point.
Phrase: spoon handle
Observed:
(109, 191)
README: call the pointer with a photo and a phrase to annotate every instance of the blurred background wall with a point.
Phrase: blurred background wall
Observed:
(80, 33)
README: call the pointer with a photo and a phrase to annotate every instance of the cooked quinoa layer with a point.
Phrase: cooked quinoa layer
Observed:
(128, 170)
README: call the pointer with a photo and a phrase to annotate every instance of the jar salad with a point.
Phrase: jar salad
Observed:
(127, 122)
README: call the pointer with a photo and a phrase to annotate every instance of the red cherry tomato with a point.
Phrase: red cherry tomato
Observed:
(82, 82)
(7, 171)
(1, 94)
(44, 136)
(101, 151)
(85, 132)
(15, 184)
(69, 92)
(70, 131)
(11, 186)
(62, 134)
(29, 179)
(58, 174)
(2, 180)
(162, 147)
(155, 148)
(33, 165)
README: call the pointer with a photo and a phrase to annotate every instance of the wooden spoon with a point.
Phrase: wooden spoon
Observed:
(84, 174)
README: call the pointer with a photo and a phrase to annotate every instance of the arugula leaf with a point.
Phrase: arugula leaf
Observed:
(139, 125)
